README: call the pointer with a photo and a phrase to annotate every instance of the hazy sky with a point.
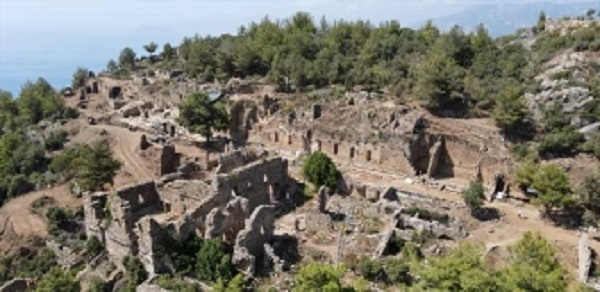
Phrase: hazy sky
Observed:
(203, 16)
(52, 37)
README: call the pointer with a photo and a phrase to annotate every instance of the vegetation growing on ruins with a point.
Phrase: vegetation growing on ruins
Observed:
(135, 273)
(203, 116)
(206, 260)
(235, 285)
(450, 73)
(30, 262)
(315, 277)
(320, 170)
(58, 280)
(532, 267)
(213, 262)
(425, 214)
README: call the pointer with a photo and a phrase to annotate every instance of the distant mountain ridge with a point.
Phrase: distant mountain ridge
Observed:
(503, 19)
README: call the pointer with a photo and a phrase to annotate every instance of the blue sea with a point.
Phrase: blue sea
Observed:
(56, 58)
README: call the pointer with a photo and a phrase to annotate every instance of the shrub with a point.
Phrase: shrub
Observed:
(175, 284)
(593, 145)
(320, 170)
(28, 263)
(91, 165)
(93, 246)
(563, 142)
(97, 285)
(474, 196)
(397, 271)
(370, 269)
(561, 75)
(589, 192)
(213, 262)
(235, 285)
(58, 280)
(319, 277)
(58, 218)
(56, 140)
(525, 173)
(134, 272)
(553, 187)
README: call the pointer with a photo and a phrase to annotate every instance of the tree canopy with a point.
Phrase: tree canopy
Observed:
(201, 115)
(58, 280)
(553, 187)
(91, 165)
(533, 267)
(151, 48)
(79, 78)
(320, 170)
(127, 58)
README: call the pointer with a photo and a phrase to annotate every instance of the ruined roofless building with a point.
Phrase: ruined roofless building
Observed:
(135, 219)
(395, 140)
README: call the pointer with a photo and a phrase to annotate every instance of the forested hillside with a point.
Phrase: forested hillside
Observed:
(452, 74)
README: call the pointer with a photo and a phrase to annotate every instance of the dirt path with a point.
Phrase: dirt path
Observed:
(16, 217)
(125, 144)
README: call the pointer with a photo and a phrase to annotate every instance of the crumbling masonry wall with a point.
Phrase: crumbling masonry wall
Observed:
(259, 182)
(249, 245)
(126, 207)
(94, 215)
(238, 158)
(169, 160)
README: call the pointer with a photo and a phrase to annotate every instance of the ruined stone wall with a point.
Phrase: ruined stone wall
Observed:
(195, 220)
(258, 182)
(461, 158)
(94, 214)
(169, 160)
(393, 158)
(126, 206)
(283, 139)
(225, 223)
(238, 158)
(150, 232)
(249, 250)
(179, 196)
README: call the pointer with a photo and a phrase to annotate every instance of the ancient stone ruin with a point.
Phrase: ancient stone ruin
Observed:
(238, 206)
